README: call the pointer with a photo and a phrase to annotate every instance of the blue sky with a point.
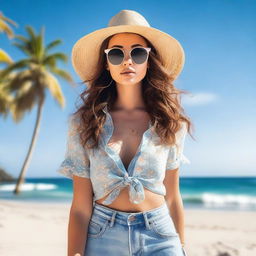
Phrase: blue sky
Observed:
(219, 40)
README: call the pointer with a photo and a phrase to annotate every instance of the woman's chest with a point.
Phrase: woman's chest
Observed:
(127, 135)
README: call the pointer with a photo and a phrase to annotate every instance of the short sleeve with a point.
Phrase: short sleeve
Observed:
(175, 155)
(76, 159)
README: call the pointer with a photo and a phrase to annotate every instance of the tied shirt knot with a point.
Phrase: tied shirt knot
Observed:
(136, 191)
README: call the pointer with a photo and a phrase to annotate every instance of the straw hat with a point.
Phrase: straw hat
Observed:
(85, 52)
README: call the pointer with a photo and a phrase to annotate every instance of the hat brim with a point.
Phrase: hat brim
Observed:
(85, 52)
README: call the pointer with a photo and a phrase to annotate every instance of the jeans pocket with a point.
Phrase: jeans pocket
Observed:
(164, 226)
(97, 226)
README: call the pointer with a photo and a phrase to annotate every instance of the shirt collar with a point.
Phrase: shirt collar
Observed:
(105, 109)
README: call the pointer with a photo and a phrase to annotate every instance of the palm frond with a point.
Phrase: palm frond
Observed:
(53, 85)
(19, 80)
(5, 58)
(23, 48)
(31, 32)
(21, 38)
(16, 65)
(49, 61)
(25, 100)
(62, 73)
(7, 19)
(52, 45)
(5, 100)
(58, 56)
(40, 44)
(4, 27)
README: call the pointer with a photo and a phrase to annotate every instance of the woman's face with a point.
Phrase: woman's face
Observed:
(127, 42)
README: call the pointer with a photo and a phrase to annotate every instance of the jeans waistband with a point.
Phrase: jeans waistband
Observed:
(130, 217)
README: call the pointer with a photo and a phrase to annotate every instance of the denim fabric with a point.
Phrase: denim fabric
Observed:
(118, 233)
(106, 170)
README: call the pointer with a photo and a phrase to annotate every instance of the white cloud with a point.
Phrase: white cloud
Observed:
(195, 99)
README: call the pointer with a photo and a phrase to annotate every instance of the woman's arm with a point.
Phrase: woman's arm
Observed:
(177, 213)
(80, 215)
(174, 201)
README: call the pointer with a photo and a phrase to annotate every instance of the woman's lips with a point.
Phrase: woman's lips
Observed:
(128, 73)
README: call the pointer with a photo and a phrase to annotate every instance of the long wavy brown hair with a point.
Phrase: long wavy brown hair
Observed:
(162, 100)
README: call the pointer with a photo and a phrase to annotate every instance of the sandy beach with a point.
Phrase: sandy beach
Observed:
(41, 229)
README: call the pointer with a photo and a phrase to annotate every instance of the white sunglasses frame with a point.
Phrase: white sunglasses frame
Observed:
(148, 49)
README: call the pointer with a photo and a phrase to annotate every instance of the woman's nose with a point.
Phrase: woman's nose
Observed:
(127, 58)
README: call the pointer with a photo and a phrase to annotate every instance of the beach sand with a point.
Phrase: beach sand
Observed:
(41, 229)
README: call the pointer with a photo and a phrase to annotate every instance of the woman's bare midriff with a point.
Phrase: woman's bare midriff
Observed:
(122, 203)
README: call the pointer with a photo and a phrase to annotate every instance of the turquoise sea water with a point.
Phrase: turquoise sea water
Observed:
(221, 193)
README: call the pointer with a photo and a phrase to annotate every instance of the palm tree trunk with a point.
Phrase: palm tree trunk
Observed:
(31, 147)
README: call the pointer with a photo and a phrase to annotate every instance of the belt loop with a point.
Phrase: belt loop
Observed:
(146, 220)
(112, 219)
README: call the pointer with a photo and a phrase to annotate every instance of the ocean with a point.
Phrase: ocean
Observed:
(215, 193)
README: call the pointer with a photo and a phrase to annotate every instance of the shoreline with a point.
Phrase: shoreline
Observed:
(189, 208)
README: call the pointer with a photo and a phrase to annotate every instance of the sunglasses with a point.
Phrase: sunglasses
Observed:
(138, 55)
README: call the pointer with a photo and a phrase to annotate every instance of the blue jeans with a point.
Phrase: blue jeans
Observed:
(118, 233)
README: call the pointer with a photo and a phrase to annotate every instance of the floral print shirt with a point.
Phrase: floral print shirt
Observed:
(107, 172)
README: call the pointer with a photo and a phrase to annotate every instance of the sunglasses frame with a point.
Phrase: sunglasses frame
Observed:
(148, 49)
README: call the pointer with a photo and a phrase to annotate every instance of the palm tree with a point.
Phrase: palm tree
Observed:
(33, 77)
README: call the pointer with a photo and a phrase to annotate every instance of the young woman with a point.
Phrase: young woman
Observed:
(125, 142)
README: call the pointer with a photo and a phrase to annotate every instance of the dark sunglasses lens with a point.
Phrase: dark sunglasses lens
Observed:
(115, 56)
(139, 55)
